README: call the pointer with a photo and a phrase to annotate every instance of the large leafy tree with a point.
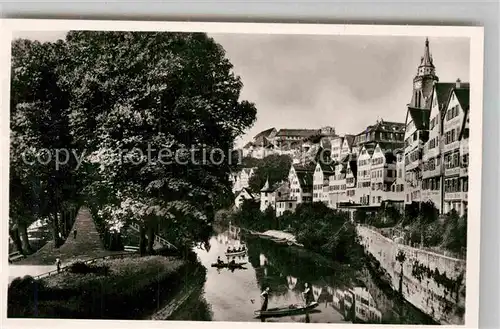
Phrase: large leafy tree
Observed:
(39, 129)
(273, 167)
(154, 96)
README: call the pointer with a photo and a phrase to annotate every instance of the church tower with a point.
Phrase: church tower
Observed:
(424, 80)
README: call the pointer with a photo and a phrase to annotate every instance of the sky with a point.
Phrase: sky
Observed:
(347, 82)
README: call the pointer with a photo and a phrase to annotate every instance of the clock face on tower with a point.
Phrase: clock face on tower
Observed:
(418, 84)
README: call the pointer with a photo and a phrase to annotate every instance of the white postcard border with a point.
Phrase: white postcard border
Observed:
(476, 35)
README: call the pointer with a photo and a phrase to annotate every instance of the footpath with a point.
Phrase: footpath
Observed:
(86, 245)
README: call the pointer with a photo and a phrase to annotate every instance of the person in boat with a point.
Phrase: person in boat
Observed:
(219, 261)
(232, 263)
(228, 250)
(308, 294)
(265, 296)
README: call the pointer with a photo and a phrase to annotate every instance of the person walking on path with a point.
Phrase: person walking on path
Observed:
(265, 295)
(58, 264)
(74, 234)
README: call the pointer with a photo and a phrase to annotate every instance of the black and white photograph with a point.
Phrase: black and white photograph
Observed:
(242, 172)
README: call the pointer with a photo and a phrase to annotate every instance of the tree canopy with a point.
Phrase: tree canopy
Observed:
(273, 167)
(153, 116)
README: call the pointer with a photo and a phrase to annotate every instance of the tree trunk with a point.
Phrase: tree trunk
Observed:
(401, 281)
(23, 234)
(14, 235)
(65, 222)
(142, 240)
(151, 239)
(55, 230)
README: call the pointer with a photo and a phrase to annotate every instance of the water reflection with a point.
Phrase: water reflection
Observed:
(357, 305)
(235, 295)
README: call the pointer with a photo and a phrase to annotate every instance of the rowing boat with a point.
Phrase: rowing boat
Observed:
(287, 310)
(238, 253)
(224, 265)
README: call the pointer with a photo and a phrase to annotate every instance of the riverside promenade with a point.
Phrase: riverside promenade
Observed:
(86, 245)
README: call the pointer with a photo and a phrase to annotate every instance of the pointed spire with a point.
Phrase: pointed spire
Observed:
(427, 54)
(266, 185)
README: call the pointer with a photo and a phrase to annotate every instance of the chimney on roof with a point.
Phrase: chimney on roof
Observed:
(457, 84)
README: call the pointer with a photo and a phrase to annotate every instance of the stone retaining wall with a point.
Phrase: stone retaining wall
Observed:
(427, 295)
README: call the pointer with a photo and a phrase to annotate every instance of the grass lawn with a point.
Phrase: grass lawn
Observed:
(134, 288)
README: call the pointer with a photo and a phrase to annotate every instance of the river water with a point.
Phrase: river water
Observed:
(235, 295)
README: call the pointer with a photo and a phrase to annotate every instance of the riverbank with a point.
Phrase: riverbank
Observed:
(277, 236)
(129, 288)
(433, 283)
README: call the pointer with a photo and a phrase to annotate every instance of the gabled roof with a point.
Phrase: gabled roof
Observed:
(246, 190)
(305, 179)
(463, 97)
(420, 117)
(266, 187)
(443, 91)
(264, 133)
(353, 164)
(349, 139)
(248, 145)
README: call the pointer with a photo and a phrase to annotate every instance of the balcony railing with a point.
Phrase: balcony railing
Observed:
(462, 196)
(431, 153)
(452, 146)
(432, 173)
(451, 171)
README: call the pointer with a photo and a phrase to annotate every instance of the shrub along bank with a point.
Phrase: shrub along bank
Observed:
(317, 227)
(421, 225)
(128, 288)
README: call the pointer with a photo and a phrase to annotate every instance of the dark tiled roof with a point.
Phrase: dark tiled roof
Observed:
(248, 191)
(353, 164)
(264, 133)
(390, 157)
(350, 139)
(248, 145)
(443, 91)
(420, 117)
(298, 132)
(463, 97)
(305, 179)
